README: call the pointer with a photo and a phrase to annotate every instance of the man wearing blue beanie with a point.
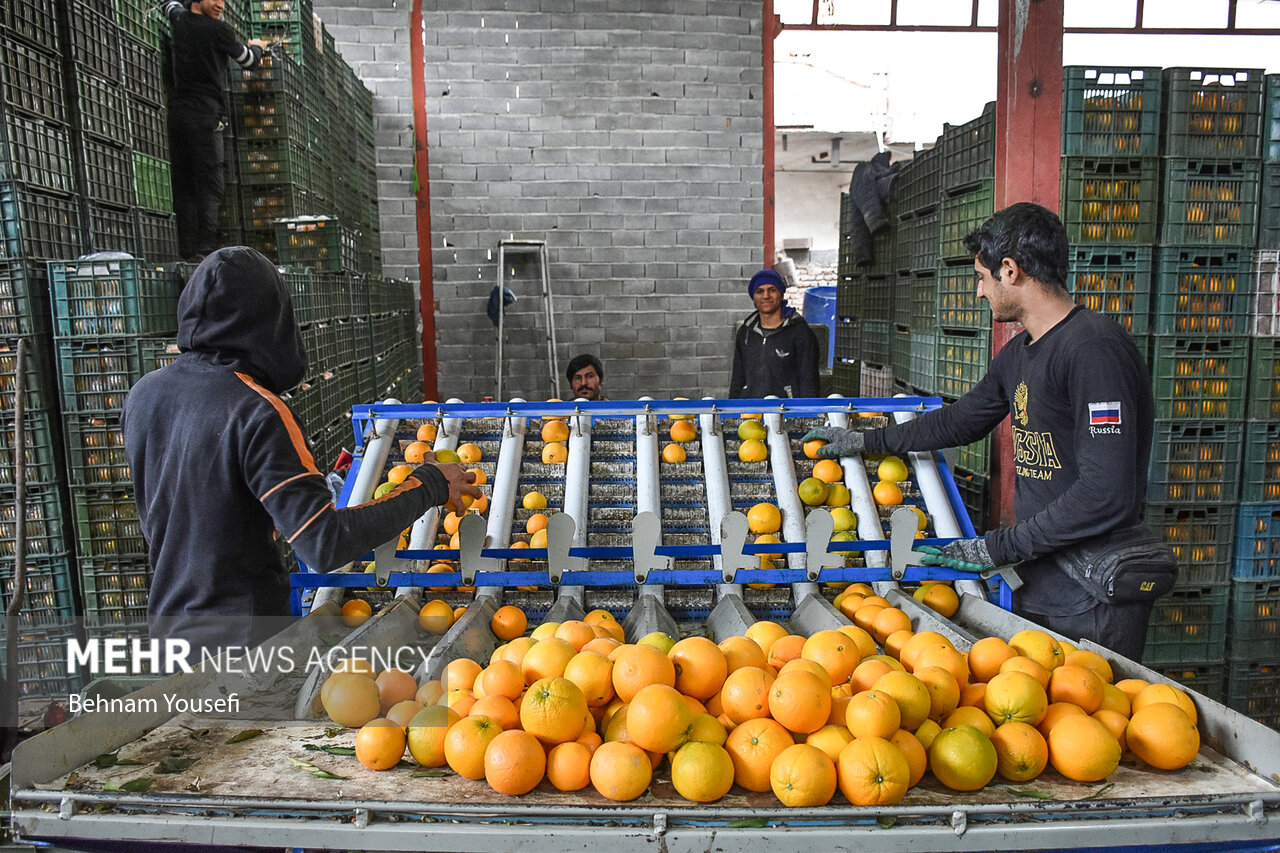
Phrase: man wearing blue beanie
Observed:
(775, 352)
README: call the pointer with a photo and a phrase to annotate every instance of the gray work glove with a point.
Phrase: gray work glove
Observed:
(967, 555)
(839, 442)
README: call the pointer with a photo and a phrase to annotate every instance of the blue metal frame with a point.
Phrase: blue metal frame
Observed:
(363, 416)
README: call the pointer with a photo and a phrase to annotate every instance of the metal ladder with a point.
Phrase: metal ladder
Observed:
(524, 247)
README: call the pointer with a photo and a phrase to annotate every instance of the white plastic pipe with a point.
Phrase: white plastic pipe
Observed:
(936, 501)
(860, 499)
(367, 478)
(715, 473)
(647, 483)
(450, 430)
(783, 467)
(506, 479)
(577, 477)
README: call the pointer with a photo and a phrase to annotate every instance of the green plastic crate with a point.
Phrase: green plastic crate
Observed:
(963, 358)
(1110, 111)
(24, 299)
(33, 20)
(922, 370)
(1260, 472)
(45, 528)
(846, 377)
(38, 225)
(115, 591)
(918, 241)
(49, 601)
(109, 173)
(957, 305)
(1253, 689)
(103, 108)
(899, 349)
(1264, 308)
(95, 298)
(36, 152)
(1255, 619)
(156, 352)
(152, 183)
(317, 242)
(848, 339)
(969, 152)
(1202, 539)
(959, 215)
(40, 390)
(1195, 462)
(875, 341)
(1200, 378)
(1258, 541)
(1189, 623)
(1210, 202)
(1212, 112)
(975, 493)
(42, 663)
(106, 523)
(95, 451)
(41, 451)
(877, 297)
(111, 230)
(1271, 120)
(1264, 380)
(924, 296)
(96, 375)
(1114, 281)
(1206, 678)
(1110, 200)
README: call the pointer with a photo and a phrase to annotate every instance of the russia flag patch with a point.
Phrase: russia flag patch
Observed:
(1104, 413)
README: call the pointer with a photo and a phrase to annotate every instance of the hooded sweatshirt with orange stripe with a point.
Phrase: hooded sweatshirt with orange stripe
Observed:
(220, 465)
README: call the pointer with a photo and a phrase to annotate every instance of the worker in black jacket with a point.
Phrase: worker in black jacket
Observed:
(220, 465)
(775, 352)
(1079, 396)
(202, 44)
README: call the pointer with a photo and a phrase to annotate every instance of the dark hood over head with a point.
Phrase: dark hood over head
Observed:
(237, 308)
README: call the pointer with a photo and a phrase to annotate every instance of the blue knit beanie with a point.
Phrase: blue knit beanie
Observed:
(766, 277)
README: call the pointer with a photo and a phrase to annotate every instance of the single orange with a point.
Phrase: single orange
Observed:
(753, 746)
(426, 733)
(986, 656)
(871, 713)
(800, 701)
(963, 758)
(701, 771)
(508, 622)
(500, 709)
(637, 666)
(803, 776)
(1163, 735)
(356, 612)
(658, 718)
(701, 667)
(465, 744)
(1078, 685)
(435, 617)
(1021, 751)
(514, 763)
(569, 766)
(553, 710)
(620, 771)
(1083, 749)
(380, 744)
(872, 771)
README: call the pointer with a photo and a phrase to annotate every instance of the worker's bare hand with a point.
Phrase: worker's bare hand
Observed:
(261, 44)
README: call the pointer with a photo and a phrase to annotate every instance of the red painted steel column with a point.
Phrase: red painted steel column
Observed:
(426, 283)
(770, 26)
(1028, 160)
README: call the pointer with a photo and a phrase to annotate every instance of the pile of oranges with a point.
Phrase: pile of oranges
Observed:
(573, 705)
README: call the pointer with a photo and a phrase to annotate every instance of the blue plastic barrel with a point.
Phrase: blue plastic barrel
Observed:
(819, 306)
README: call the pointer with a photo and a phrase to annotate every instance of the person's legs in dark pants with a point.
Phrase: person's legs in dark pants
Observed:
(196, 152)
(1122, 628)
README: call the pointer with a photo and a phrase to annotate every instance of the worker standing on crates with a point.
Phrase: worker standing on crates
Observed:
(202, 44)
(220, 465)
(1079, 394)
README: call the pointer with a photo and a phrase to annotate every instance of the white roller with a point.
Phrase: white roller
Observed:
(783, 467)
(577, 477)
(506, 479)
(936, 501)
(860, 499)
(715, 473)
(449, 432)
(372, 462)
(647, 482)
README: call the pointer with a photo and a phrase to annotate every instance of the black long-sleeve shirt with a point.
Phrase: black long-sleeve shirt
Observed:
(201, 47)
(1082, 408)
(782, 361)
(220, 464)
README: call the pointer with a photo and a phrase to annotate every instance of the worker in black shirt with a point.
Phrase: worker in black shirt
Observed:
(775, 352)
(202, 44)
(220, 466)
(1079, 395)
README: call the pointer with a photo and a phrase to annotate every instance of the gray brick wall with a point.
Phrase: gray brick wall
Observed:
(629, 141)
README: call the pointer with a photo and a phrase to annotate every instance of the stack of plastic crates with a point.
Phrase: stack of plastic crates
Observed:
(113, 321)
(39, 219)
(1253, 650)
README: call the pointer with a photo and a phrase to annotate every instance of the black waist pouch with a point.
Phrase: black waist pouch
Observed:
(1125, 566)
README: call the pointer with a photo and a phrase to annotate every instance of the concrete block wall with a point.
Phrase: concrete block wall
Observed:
(373, 38)
(629, 140)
